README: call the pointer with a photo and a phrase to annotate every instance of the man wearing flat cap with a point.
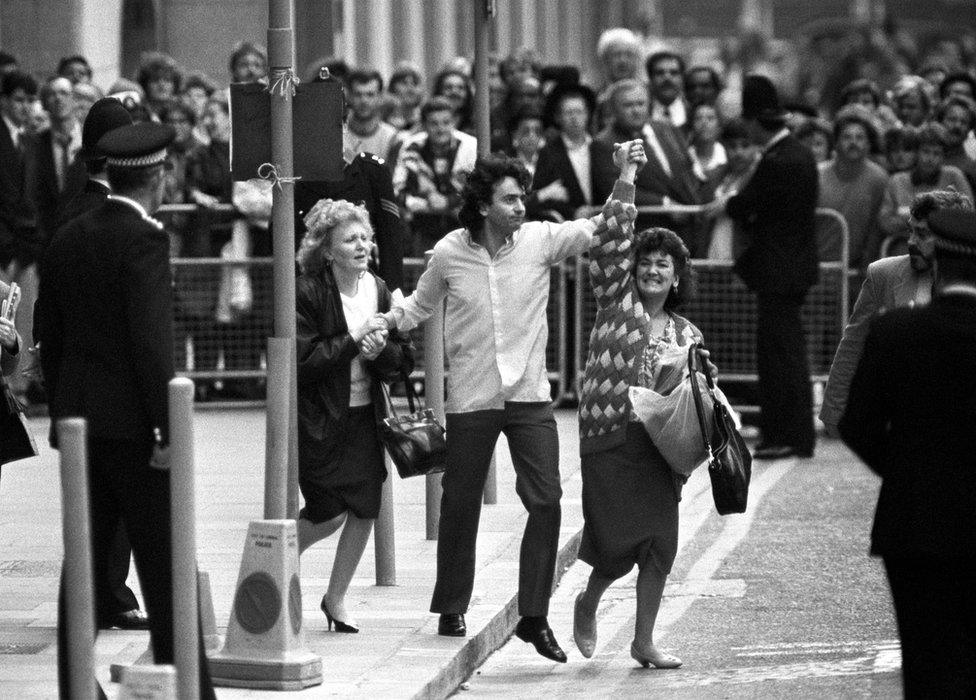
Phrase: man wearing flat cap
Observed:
(106, 334)
(775, 210)
(910, 417)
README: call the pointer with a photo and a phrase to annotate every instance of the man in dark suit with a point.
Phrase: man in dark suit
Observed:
(668, 177)
(910, 417)
(58, 173)
(19, 245)
(115, 603)
(106, 334)
(776, 212)
(577, 168)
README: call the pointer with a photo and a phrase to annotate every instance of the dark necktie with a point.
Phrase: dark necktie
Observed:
(64, 142)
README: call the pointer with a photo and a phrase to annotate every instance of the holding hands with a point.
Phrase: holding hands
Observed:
(8, 335)
(371, 337)
(629, 157)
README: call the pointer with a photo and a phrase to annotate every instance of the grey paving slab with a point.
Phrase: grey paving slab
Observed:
(397, 654)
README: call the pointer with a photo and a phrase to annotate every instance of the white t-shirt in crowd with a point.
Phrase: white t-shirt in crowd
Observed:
(357, 309)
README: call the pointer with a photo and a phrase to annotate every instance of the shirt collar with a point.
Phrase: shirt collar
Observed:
(15, 131)
(777, 137)
(139, 209)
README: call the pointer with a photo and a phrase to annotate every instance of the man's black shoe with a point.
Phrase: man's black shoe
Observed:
(536, 631)
(451, 625)
(134, 619)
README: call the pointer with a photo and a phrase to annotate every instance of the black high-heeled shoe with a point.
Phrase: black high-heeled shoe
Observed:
(340, 626)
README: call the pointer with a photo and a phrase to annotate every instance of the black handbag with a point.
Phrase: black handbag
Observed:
(416, 441)
(729, 459)
(16, 440)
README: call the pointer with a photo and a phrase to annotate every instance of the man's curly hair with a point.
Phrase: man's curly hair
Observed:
(480, 186)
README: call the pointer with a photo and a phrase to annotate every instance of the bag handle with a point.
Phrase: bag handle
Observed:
(693, 369)
(412, 399)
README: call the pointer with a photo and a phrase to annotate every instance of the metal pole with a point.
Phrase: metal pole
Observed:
(434, 395)
(186, 633)
(481, 90)
(482, 115)
(281, 46)
(76, 581)
(280, 355)
(384, 542)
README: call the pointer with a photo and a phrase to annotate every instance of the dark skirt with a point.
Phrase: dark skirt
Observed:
(352, 479)
(630, 507)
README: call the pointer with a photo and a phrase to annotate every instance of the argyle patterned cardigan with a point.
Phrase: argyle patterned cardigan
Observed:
(620, 333)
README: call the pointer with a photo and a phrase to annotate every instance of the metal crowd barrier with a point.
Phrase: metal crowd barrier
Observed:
(724, 310)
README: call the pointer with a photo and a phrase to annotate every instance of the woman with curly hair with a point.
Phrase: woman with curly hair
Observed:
(344, 354)
(630, 494)
(160, 78)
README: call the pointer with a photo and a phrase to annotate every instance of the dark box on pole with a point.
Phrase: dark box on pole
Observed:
(316, 130)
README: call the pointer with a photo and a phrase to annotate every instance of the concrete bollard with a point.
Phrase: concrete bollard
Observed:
(186, 634)
(434, 399)
(384, 541)
(280, 354)
(77, 575)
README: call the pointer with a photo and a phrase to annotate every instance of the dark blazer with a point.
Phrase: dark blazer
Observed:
(106, 323)
(47, 196)
(91, 196)
(17, 214)
(776, 212)
(554, 164)
(910, 417)
(653, 183)
(325, 354)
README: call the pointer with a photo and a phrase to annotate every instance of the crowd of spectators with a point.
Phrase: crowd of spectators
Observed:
(885, 137)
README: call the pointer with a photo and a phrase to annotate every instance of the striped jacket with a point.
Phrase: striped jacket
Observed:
(620, 334)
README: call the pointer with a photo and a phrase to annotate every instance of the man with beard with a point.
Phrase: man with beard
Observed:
(854, 185)
(929, 174)
(665, 72)
(904, 280)
(958, 115)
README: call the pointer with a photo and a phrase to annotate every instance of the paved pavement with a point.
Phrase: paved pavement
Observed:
(398, 653)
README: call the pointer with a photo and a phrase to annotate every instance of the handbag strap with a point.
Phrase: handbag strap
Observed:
(693, 369)
(412, 399)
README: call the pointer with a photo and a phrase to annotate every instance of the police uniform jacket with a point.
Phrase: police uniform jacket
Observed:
(368, 181)
(106, 322)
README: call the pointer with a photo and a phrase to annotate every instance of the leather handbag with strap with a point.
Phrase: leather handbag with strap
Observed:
(729, 459)
(16, 440)
(416, 441)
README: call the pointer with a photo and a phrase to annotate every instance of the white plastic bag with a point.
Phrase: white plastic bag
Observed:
(672, 423)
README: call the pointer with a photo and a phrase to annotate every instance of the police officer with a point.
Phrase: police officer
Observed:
(115, 603)
(106, 333)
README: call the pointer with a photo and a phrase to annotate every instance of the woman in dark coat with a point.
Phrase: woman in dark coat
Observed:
(343, 357)
(630, 494)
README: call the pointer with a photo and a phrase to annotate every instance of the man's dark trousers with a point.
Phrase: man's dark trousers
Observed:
(534, 444)
(121, 481)
(785, 395)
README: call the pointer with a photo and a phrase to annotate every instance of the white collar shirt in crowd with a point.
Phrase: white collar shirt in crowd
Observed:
(674, 112)
(495, 328)
(65, 152)
(579, 158)
(651, 138)
(15, 131)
